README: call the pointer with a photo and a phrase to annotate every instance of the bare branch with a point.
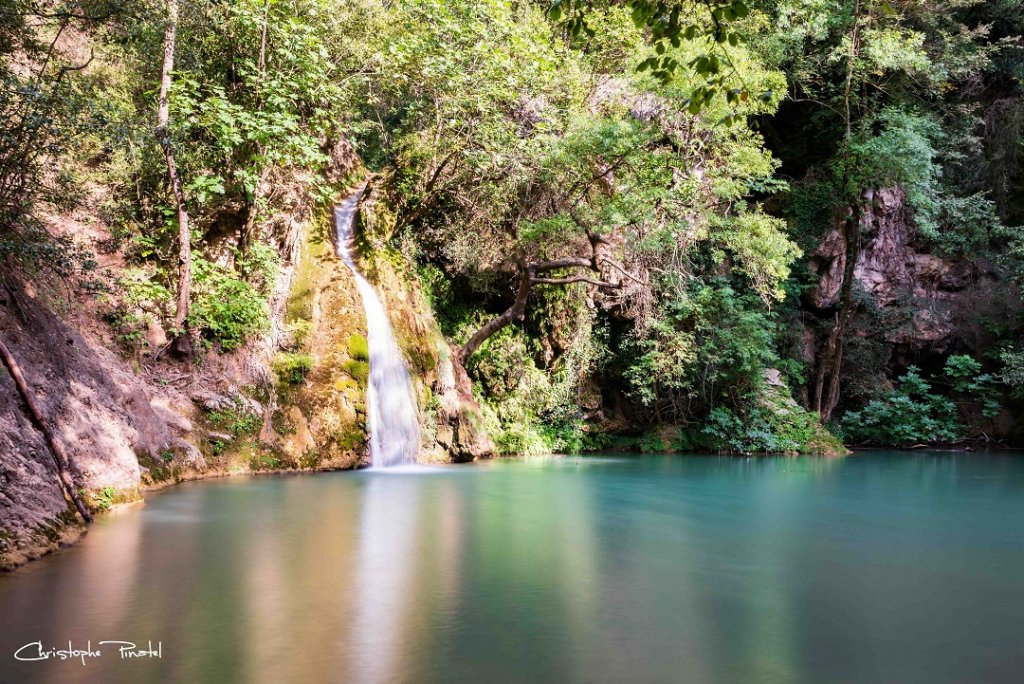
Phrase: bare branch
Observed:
(567, 262)
(574, 279)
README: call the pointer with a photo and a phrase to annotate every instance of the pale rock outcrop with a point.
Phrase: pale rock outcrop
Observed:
(891, 270)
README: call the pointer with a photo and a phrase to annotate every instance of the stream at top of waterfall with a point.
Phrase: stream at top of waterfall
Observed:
(880, 567)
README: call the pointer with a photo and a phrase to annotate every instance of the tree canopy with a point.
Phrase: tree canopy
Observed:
(623, 199)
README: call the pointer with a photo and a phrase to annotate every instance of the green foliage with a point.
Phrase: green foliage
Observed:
(45, 116)
(966, 225)
(762, 427)
(259, 266)
(911, 414)
(358, 370)
(129, 328)
(565, 437)
(530, 409)
(906, 152)
(903, 154)
(711, 346)
(138, 299)
(763, 250)
(358, 364)
(597, 440)
(264, 462)
(1013, 370)
(965, 378)
(811, 204)
(712, 23)
(225, 309)
(652, 442)
(915, 412)
(269, 106)
(292, 368)
(104, 498)
(239, 420)
(301, 329)
(522, 440)
(358, 348)
(892, 103)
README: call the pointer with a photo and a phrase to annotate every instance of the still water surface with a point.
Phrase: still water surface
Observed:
(874, 568)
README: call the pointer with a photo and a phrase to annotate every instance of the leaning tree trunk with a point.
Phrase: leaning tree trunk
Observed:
(826, 398)
(516, 312)
(529, 277)
(182, 340)
(60, 457)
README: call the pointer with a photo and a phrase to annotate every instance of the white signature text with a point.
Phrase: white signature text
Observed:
(125, 650)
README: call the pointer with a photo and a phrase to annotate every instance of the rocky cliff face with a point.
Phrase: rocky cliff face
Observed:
(100, 411)
(452, 422)
(892, 271)
(291, 400)
(912, 305)
(320, 420)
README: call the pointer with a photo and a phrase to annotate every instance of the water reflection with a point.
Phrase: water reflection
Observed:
(384, 577)
(896, 568)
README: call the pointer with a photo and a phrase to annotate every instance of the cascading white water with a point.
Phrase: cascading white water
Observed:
(391, 409)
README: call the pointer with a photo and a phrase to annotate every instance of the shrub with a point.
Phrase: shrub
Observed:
(916, 413)
(138, 299)
(291, 368)
(264, 462)
(260, 265)
(238, 420)
(765, 425)
(359, 370)
(521, 439)
(652, 442)
(301, 329)
(752, 433)
(225, 308)
(910, 414)
(129, 328)
(1013, 370)
(105, 498)
(563, 437)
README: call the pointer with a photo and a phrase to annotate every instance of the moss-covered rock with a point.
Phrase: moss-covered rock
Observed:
(319, 419)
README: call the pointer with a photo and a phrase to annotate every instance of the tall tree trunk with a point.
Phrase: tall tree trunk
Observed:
(183, 340)
(826, 397)
(831, 362)
(263, 40)
(249, 231)
(60, 457)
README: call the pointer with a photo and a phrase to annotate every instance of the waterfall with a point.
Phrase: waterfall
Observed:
(392, 418)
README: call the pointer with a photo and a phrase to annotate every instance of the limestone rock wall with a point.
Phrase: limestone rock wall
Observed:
(893, 271)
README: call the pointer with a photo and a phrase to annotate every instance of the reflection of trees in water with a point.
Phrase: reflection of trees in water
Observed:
(301, 555)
